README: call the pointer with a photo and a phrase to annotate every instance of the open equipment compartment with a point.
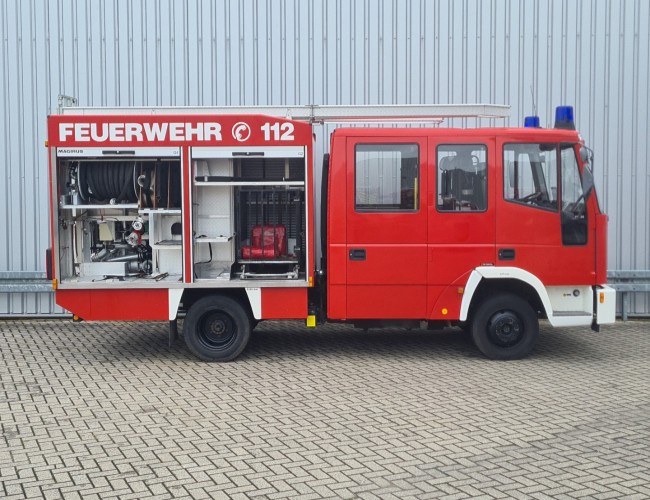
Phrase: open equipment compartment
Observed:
(119, 215)
(271, 216)
(249, 218)
(212, 215)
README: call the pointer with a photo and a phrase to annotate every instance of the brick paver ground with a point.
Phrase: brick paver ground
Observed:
(107, 410)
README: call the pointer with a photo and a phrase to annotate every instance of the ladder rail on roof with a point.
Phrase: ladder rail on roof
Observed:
(318, 113)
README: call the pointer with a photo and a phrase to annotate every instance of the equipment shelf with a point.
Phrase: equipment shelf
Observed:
(249, 183)
(213, 239)
(123, 206)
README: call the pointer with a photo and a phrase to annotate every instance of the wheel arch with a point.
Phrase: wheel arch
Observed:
(487, 281)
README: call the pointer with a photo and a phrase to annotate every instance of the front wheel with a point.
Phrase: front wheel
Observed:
(216, 328)
(505, 327)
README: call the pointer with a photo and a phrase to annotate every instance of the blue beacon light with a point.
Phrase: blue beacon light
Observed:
(531, 122)
(564, 118)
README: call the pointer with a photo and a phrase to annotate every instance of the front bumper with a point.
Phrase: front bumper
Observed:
(605, 299)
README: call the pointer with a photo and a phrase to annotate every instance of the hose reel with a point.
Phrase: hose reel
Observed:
(150, 184)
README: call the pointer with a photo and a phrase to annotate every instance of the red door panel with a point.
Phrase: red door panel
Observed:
(532, 231)
(386, 301)
(386, 264)
(386, 227)
(461, 231)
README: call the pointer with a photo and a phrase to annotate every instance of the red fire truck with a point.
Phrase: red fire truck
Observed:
(213, 212)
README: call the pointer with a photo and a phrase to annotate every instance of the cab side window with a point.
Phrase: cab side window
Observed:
(386, 177)
(574, 209)
(530, 175)
(462, 177)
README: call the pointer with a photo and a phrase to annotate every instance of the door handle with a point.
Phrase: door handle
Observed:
(358, 254)
(506, 254)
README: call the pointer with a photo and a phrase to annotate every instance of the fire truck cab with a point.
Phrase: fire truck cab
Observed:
(212, 212)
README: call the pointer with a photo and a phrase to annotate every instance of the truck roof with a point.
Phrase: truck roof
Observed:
(514, 133)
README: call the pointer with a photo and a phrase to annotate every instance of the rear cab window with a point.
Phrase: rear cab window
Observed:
(462, 177)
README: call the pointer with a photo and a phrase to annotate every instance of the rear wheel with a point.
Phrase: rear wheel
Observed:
(505, 327)
(216, 328)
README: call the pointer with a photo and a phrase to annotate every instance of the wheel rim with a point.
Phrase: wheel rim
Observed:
(217, 330)
(505, 329)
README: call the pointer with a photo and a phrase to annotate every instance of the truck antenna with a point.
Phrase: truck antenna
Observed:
(532, 94)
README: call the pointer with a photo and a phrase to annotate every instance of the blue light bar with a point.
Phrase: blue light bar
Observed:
(564, 118)
(531, 122)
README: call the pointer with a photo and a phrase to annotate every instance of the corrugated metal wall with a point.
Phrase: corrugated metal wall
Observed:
(594, 54)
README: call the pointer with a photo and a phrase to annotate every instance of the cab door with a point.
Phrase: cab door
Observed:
(542, 225)
(461, 217)
(386, 227)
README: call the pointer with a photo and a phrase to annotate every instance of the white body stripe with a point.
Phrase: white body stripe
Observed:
(255, 298)
(175, 295)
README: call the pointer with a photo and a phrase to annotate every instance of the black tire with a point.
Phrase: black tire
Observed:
(216, 328)
(505, 327)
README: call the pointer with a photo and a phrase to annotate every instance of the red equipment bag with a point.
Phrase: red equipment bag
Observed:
(267, 242)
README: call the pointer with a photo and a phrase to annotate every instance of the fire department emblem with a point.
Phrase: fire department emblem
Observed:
(241, 131)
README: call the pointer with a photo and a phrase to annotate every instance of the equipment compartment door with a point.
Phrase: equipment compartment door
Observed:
(386, 228)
